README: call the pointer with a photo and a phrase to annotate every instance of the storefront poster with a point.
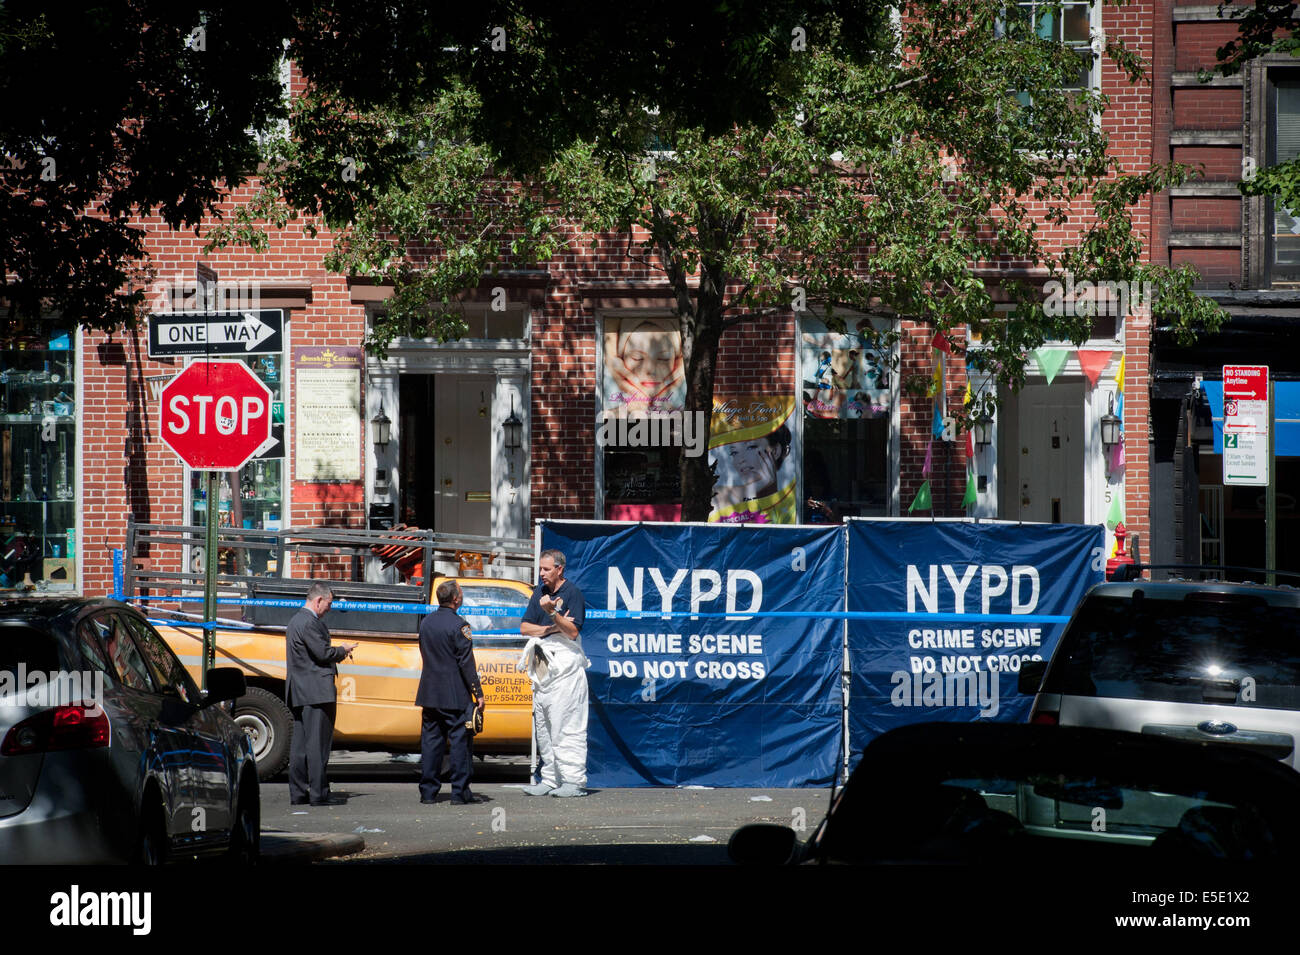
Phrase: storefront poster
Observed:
(943, 658)
(709, 691)
(327, 420)
(643, 369)
(753, 448)
(842, 376)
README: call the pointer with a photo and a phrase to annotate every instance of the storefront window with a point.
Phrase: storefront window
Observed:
(38, 467)
(251, 498)
(847, 403)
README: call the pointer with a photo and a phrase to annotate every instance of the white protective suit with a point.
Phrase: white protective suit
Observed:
(558, 670)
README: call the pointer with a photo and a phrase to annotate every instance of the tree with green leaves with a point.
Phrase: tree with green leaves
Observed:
(114, 111)
(852, 160)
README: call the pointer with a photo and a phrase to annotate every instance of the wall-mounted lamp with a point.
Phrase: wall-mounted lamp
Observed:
(381, 429)
(1111, 426)
(982, 429)
(514, 429)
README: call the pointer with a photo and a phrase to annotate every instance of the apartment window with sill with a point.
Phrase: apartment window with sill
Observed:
(1070, 24)
(1284, 145)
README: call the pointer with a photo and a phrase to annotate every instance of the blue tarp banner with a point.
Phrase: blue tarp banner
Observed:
(709, 692)
(973, 601)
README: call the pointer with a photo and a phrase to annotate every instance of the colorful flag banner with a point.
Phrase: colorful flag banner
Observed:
(1119, 375)
(941, 343)
(929, 459)
(971, 494)
(936, 427)
(970, 445)
(1116, 514)
(1050, 361)
(1093, 363)
(922, 499)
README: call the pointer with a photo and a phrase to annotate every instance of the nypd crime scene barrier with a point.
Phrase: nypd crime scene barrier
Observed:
(718, 650)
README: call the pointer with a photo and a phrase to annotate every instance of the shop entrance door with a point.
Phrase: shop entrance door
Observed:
(446, 452)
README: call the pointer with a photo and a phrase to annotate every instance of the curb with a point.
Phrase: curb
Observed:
(287, 847)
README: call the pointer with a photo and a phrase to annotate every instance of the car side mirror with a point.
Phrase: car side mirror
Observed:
(1031, 676)
(762, 843)
(225, 683)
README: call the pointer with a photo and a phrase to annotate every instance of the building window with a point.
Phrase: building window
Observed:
(253, 497)
(38, 466)
(848, 400)
(643, 386)
(1070, 24)
(1284, 145)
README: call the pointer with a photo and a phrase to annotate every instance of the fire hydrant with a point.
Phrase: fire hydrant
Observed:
(1121, 558)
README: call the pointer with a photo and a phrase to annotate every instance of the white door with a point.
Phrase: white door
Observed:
(462, 429)
(1050, 446)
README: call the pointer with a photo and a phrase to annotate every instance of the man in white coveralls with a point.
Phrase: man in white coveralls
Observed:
(557, 666)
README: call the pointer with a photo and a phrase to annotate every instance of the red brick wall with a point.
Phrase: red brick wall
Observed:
(1207, 108)
(1205, 215)
(1197, 41)
(1221, 163)
(1217, 266)
(1137, 431)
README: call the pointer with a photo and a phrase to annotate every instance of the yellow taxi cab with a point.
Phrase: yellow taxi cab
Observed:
(376, 687)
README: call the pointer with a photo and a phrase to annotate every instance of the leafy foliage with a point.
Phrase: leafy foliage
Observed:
(114, 110)
(758, 155)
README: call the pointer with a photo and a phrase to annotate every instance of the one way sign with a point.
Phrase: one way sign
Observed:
(172, 334)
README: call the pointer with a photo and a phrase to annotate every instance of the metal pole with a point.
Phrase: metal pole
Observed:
(1270, 497)
(210, 580)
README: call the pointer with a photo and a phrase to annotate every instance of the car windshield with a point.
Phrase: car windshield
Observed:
(1233, 649)
(1046, 817)
(494, 629)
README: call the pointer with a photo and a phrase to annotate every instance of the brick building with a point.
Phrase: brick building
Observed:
(799, 413)
(1248, 253)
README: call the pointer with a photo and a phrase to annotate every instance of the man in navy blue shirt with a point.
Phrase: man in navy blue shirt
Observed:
(448, 685)
(558, 669)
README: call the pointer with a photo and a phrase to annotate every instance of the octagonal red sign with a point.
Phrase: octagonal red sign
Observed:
(216, 415)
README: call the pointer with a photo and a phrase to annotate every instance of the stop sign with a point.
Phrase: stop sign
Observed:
(216, 415)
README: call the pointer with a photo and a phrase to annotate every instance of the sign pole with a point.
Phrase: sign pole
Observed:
(210, 580)
(1270, 497)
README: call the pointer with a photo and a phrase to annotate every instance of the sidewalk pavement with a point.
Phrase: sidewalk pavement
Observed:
(280, 847)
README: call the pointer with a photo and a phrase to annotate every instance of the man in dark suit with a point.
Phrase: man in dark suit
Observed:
(309, 693)
(448, 685)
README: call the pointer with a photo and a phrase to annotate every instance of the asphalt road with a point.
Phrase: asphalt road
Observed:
(611, 826)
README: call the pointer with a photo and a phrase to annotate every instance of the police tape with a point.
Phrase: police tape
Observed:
(372, 606)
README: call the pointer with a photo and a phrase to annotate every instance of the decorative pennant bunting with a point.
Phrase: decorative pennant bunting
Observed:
(1117, 455)
(936, 427)
(929, 459)
(1093, 362)
(970, 445)
(1050, 361)
(971, 494)
(1116, 513)
(1119, 375)
(941, 343)
(922, 499)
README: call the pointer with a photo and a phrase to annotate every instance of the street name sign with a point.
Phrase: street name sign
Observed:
(173, 334)
(1245, 425)
(216, 415)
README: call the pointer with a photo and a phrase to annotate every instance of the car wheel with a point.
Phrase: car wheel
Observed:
(246, 833)
(151, 847)
(269, 725)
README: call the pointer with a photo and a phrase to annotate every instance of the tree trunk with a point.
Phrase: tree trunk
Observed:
(700, 340)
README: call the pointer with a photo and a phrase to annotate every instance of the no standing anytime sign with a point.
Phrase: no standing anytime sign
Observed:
(216, 415)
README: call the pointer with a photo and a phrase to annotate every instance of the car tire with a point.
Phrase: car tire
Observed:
(151, 846)
(246, 830)
(269, 725)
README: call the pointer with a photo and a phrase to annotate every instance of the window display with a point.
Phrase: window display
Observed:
(38, 446)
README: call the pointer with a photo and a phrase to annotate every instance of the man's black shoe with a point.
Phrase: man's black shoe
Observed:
(468, 799)
(428, 802)
(330, 801)
(299, 802)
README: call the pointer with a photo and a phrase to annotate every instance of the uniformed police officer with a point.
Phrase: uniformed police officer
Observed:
(449, 685)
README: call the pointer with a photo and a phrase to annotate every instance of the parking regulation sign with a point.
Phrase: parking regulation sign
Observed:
(1246, 425)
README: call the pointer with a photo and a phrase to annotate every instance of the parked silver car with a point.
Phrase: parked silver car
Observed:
(108, 751)
(1205, 662)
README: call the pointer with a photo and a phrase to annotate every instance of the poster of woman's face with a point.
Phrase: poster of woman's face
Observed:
(842, 377)
(643, 366)
(756, 472)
